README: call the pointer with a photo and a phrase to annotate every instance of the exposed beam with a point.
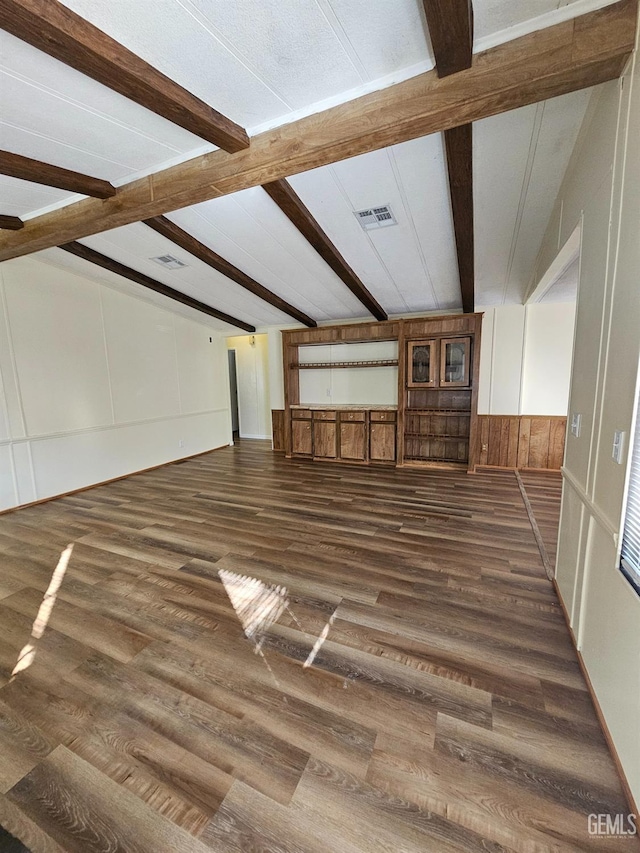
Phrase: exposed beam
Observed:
(56, 30)
(451, 30)
(17, 166)
(107, 263)
(294, 208)
(459, 145)
(11, 223)
(569, 56)
(189, 243)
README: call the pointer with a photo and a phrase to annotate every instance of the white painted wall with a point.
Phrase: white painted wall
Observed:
(96, 384)
(344, 385)
(254, 400)
(525, 359)
(601, 191)
(548, 350)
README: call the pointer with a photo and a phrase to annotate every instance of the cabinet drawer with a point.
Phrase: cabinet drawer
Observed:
(345, 417)
(324, 416)
(300, 414)
(389, 417)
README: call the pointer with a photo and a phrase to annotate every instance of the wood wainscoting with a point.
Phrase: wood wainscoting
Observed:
(277, 429)
(521, 441)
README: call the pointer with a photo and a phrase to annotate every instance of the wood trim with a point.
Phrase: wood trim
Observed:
(190, 244)
(475, 385)
(569, 56)
(290, 203)
(521, 441)
(11, 223)
(106, 482)
(37, 172)
(450, 25)
(544, 556)
(592, 508)
(106, 263)
(59, 32)
(277, 430)
(633, 806)
(345, 333)
(459, 149)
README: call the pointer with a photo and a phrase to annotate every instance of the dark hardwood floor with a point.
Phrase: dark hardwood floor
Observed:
(404, 681)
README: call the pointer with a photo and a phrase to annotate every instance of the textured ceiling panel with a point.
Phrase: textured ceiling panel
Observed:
(408, 266)
(520, 159)
(559, 126)
(250, 231)
(258, 61)
(19, 197)
(135, 245)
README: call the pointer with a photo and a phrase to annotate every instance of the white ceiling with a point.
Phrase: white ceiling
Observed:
(263, 62)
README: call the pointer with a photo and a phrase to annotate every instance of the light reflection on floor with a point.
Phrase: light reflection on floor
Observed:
(28, 652)
(259, 605)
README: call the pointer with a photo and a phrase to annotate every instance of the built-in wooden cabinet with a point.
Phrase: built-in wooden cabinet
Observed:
(325, 435)
(382, 437)
(353, 436)
(439, 414)
(455, 362)
(348, 435)
(443, 363)
(301, 435)
(422, 369)
(435, 419)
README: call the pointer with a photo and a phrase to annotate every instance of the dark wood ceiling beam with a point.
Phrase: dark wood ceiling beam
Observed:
(459, 147)
(17, 166)
(450, 25)
(190, 244)
(297, 212)
(56, 30)
(11, 223)
(107, 263)
(569, 56)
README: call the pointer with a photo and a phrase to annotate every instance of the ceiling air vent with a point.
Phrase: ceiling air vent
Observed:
(376, 217)
(169, 262)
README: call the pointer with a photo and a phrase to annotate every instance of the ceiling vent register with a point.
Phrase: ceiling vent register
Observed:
(376, 217)
(169, 262)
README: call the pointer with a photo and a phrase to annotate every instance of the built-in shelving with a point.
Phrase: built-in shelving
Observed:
(443, 435)
(458, 412)
(433, 376)
(324, 365)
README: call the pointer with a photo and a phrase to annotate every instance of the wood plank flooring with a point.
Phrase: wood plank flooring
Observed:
(418, 690)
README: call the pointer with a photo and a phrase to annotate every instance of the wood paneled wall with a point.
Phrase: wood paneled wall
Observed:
(277, 429)
(520, 441)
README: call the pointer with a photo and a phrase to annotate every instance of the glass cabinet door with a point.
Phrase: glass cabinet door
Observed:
(454, 362)
(421, 370)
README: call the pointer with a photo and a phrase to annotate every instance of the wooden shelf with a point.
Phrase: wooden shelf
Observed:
(324, 365)
(431, 459)
(436, 435)
(460, 412)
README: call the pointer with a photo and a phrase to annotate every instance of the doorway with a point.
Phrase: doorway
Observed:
(233, 387)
